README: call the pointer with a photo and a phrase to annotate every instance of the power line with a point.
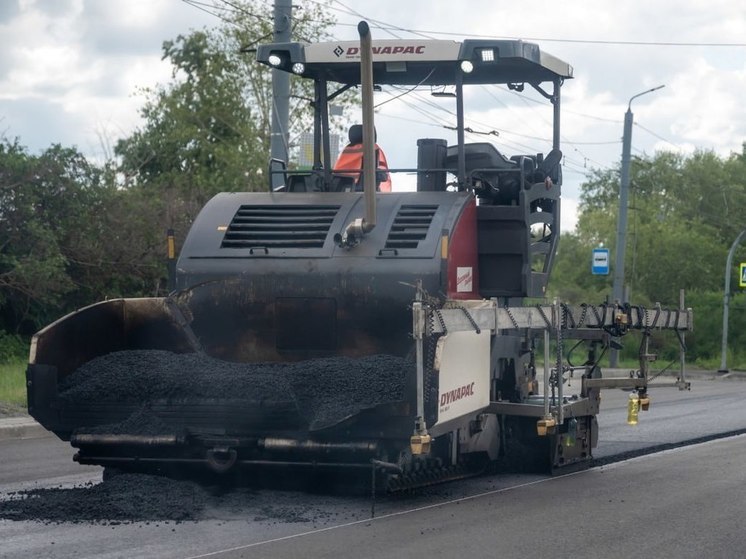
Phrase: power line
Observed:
(378, 24)
(656, 135)
(207, 8)
(441, 123)
(517, 146)
(219, 8)
(350, 11)
(240, 9)
(425, 32)
(593, 117)
(411, 89)
(564, 139)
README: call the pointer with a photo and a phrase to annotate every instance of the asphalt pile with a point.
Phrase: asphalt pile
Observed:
(325, 390)
(128, 498)
(142, 375)
(142, 422)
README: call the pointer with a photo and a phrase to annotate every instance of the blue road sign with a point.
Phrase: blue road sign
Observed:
(600, 263)
(742, 275)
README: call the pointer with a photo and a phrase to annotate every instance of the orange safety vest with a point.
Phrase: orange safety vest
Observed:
(351, 159)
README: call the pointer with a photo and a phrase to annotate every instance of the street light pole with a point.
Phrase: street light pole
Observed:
(280, 89)
(726, 298)
(621, 225)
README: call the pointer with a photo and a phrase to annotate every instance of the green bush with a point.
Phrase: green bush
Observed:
(12, 348)
(705, 342)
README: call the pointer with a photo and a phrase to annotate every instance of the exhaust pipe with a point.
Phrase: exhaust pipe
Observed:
(370, 164)
(354, 231)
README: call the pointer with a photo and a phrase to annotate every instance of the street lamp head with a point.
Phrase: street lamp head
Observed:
(656, 88)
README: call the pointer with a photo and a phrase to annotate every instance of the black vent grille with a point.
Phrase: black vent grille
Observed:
(279, 227)
(410, 226)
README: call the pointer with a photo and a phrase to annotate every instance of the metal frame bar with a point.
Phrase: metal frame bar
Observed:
(540, 317)
(564, 322)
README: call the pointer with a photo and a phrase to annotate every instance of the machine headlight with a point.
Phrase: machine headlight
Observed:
(299, 68)
(467, 66)
(274, 60)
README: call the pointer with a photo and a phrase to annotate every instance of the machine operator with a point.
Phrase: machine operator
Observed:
(351, 159)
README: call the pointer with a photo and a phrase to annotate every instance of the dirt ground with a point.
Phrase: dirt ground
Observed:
(11, 410)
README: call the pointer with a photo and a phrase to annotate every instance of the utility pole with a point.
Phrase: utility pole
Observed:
(280, 89)
(726, 298)
(621, 225)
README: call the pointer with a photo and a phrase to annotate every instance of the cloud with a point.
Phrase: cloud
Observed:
(56, 8)
(137, 27)
(704, 110)
(8, 10)
(568, 213)
(69, 69)
(23, 119)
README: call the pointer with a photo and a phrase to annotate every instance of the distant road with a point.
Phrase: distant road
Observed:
(710, 408)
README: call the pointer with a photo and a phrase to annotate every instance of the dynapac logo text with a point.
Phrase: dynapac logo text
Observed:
(463, 279)
(399, 49)
(455, 395)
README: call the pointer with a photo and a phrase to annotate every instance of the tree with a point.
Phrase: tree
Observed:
(35, 193)
(684, 213)
(68, 237)
(208, 130)
(311, 22)
(200, 137)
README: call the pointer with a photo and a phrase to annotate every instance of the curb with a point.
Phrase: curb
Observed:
(21, 428)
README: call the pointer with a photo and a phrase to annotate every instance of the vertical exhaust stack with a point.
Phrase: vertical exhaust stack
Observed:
(369, 151)
(354, 231)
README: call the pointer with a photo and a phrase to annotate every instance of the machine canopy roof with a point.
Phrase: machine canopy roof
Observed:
(419, 62)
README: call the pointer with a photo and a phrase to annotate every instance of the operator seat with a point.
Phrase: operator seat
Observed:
(549, 167)
(500, 177)
(479, 155)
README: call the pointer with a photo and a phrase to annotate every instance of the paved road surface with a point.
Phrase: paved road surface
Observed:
(686, 503)
(602, 508)
(712, 406)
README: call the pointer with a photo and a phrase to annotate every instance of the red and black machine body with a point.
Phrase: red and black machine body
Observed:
(268, 277)
(298, 294)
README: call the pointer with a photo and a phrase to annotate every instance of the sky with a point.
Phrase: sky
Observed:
(71, 72)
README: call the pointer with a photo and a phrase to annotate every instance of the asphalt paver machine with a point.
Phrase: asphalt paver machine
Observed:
(320, 325)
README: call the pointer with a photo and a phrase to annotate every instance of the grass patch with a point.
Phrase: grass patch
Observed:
(13, 382)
